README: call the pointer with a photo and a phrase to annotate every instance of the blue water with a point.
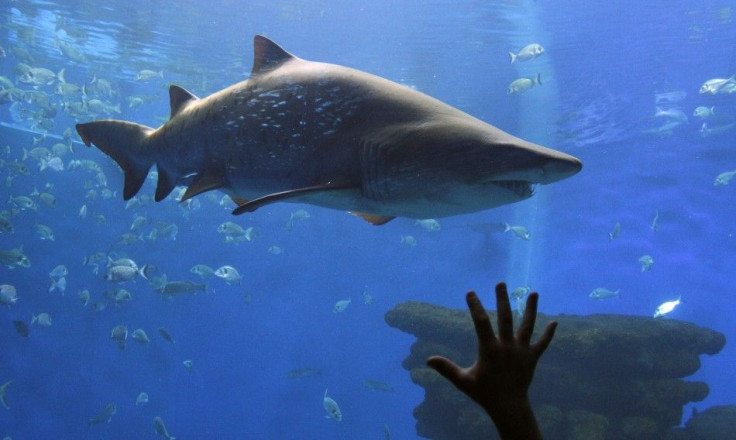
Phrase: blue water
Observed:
(603, 66)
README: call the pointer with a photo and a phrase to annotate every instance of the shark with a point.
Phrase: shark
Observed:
(331, 136)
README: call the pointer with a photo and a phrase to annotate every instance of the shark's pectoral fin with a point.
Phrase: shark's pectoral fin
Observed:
(252, 205)
(374, 219)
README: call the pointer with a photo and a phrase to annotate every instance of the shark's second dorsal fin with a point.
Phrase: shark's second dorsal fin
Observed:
(267, 55)
(179, 97)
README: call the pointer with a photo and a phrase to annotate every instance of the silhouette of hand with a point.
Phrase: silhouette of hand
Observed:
(500, 378)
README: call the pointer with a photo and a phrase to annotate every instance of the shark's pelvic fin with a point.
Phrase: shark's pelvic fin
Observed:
(204, 182)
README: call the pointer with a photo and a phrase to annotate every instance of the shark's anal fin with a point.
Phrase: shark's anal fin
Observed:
(252, 205)
(179, 97)
(374, 219)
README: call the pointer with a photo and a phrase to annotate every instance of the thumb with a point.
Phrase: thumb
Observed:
(448, 369)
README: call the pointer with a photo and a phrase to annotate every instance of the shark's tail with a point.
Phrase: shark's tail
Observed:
(127, 144)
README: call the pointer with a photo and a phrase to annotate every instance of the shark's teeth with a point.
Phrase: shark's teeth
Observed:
(521, 188)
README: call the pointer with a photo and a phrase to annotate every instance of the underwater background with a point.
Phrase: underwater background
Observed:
(264, 350)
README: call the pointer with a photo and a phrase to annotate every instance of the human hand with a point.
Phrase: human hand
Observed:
(500, 378)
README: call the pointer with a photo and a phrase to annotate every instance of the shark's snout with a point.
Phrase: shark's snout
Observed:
(560, 168)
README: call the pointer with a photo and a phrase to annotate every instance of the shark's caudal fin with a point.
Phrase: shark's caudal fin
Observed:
(126, 143)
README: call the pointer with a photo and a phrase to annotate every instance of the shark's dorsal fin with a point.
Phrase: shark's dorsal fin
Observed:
(268, 55)
(252, 205)
(201, 183)
(179, 97)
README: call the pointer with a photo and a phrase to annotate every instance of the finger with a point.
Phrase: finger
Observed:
(505, 319)
(524, 334)
(448, 369)
(541, 345)
(481, 321)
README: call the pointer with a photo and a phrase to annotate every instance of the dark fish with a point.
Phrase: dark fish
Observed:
(303, 372)
(166, 335)
(21, 328)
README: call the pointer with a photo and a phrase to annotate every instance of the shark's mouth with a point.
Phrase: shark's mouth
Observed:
(521, 188)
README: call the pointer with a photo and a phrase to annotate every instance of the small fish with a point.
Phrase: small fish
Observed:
(520, 293)
(429, 225)
(55, 163)
(341, 305)
(15, 258)
(521, 85)
(724, 178)
(703, 112)
(189, 365)
(139, 335)
(367, 297)
(6, 226)
(83, 297)
(22, 328)
(147, 75)
(715, 85)
(615, 232)
(121, 274)
(137, 223)
(667, 307)
(104, 416)
(303, 372)
(298, 215)
(378, 385)
(142, 399)
(42, 319)
(166, 335)
(158, 425)
(3, 390)
(202, 270)
(670, 97)
(44, 232)
(519, 231)
(23, 203)
(58, 284)
(528, 53)
(170, 288)
(646, 262)
(602, 293)
(331, 407)
(655, 221)
(275, 250)
(408, 240)
(8, 295)
(119, 334)
(673, 114)
(229, 274)
(230, 228)
(59, 271)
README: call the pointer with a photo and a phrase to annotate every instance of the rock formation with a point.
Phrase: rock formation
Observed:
(603, 376)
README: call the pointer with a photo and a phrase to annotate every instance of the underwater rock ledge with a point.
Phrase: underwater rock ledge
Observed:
(603, 376)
